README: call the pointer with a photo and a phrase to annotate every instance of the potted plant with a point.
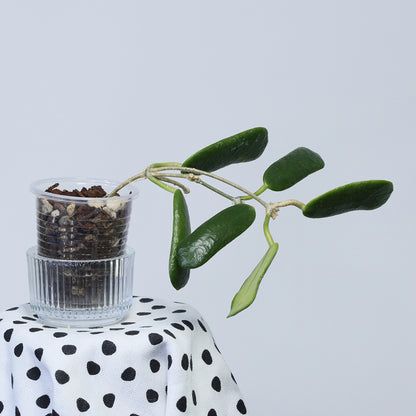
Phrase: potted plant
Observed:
(191, 249)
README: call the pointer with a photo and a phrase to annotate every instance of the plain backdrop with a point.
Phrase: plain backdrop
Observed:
(104, 88)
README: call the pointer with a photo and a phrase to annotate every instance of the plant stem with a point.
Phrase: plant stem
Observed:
(266, 230)
(158, 182)
(258, 192)
(288, 202)
(140, 175)
(219, 178)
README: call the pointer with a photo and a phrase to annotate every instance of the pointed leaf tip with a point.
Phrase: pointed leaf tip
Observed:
(248, 291)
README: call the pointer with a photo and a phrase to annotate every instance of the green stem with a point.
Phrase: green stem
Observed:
(212, 188)
(141, 175)
(266, 230)
(158, 182)
(258, 192)
(219, 178)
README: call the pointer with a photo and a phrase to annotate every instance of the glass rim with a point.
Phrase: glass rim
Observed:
(38, 188)
(33, 253)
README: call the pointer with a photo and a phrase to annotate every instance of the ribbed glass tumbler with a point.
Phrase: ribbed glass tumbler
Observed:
(80, 293)
(81, 271)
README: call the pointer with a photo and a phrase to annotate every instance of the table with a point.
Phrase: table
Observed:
(160, 360)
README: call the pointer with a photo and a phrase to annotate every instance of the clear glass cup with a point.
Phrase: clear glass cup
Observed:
(80, 293)
(80, 272)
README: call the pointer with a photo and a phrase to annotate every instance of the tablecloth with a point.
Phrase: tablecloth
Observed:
(160, 360)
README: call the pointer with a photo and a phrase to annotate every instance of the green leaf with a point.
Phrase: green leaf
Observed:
(364, 195)
(242, 147)
(248, 291)
(179, 276)
(214, 234)
(292, 168)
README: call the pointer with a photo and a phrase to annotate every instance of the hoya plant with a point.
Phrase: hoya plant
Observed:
(191, 249)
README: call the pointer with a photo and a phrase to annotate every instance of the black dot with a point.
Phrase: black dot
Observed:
(108, 347)
(117, 329)
(12, 309)
(161, 318)
(233, 378)
(166, 331)
(169, 361)
(152, 396)
(142, 313)
(158, 307)
(39, 353)
(128, 323)
(96, 332)
(59, 334)
(8, 334)
(69, 349)
(16, 411)
(185, 362)
(155, 338)
(241, 407)
(194, 397)
(54, 413)
(216, 384)
(43, 401)
(178, 326)
(93, 368)
(146, 300)
(179, 311)
(1, 406)
(11, 380)
(128, 374)
(82, 405)
(191, 363)
(28, 318)
(212, 412)
(188, 324)
(61, 376)
(109, 399)
(132, 332)
(154, 366)
(18, 349)
(206, 356)
(19, 322)
(203, 328)
(33, 373)
(35, 329)
(181, 404)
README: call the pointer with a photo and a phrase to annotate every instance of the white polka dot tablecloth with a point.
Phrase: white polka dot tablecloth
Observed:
(160, 360)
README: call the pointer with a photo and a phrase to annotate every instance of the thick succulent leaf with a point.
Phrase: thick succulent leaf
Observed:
(292, 168)
(214, 234)
(181, 228)
(242, 147)
(248, 291)
(364, 195)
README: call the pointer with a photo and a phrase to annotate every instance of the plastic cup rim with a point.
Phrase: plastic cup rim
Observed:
(38, 188)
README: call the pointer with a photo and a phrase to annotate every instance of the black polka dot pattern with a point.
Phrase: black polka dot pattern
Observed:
(93, 368)
(109, 400)
(61, 377)
(162, 352)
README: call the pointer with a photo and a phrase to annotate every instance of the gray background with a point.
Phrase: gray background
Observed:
(104, 88)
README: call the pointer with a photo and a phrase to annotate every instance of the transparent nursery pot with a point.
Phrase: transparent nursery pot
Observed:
(81, 271)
